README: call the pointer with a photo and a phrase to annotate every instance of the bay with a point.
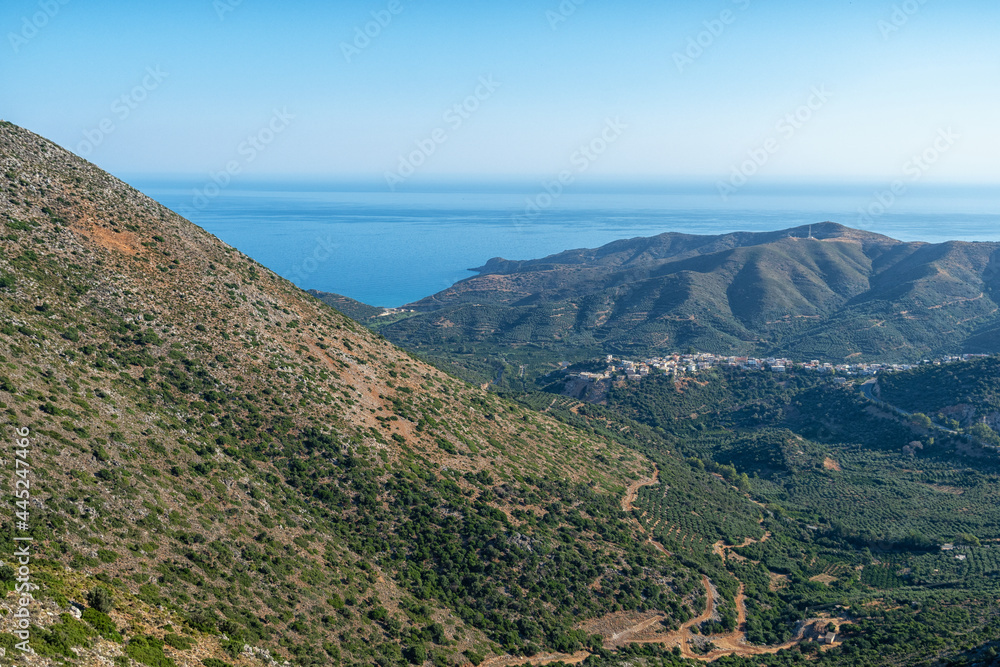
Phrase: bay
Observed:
(390, 249)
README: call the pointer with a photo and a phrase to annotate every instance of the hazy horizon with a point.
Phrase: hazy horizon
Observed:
(725, 94)
(392, 248)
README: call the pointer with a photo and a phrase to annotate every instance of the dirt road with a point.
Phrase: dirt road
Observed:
(618, 631)
(633, 490)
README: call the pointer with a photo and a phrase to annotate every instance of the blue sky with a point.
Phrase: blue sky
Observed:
(873, 84)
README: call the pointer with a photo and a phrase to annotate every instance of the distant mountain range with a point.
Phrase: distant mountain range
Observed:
(820, 291)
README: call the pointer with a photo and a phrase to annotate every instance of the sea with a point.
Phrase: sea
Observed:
(392, 248)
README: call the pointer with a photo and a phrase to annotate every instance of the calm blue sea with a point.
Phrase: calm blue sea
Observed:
(389, 249)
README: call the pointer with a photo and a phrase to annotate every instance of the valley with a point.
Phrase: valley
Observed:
(228, 471)
(484, 334)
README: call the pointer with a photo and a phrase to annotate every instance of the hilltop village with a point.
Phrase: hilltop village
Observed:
(691, 364)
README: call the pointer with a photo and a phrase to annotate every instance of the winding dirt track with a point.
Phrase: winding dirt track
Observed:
(733, 643)
(633, 490)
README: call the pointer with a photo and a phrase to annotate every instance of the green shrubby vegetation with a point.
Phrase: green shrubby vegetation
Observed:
(760, 294)
(853, 517)
(221, 462)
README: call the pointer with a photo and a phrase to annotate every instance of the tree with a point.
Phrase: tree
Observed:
(985, 433)
(743, 482)
(100, 598)
(417, 654)
(967, 539)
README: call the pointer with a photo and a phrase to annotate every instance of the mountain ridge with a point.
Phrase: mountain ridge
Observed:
(821, 231)
(814, 291)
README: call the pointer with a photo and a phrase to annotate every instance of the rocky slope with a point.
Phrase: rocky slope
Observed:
(252, 474)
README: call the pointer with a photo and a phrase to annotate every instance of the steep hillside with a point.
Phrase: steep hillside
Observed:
(245, 470)
(822, 291)
(354, 309)
(959, 395)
